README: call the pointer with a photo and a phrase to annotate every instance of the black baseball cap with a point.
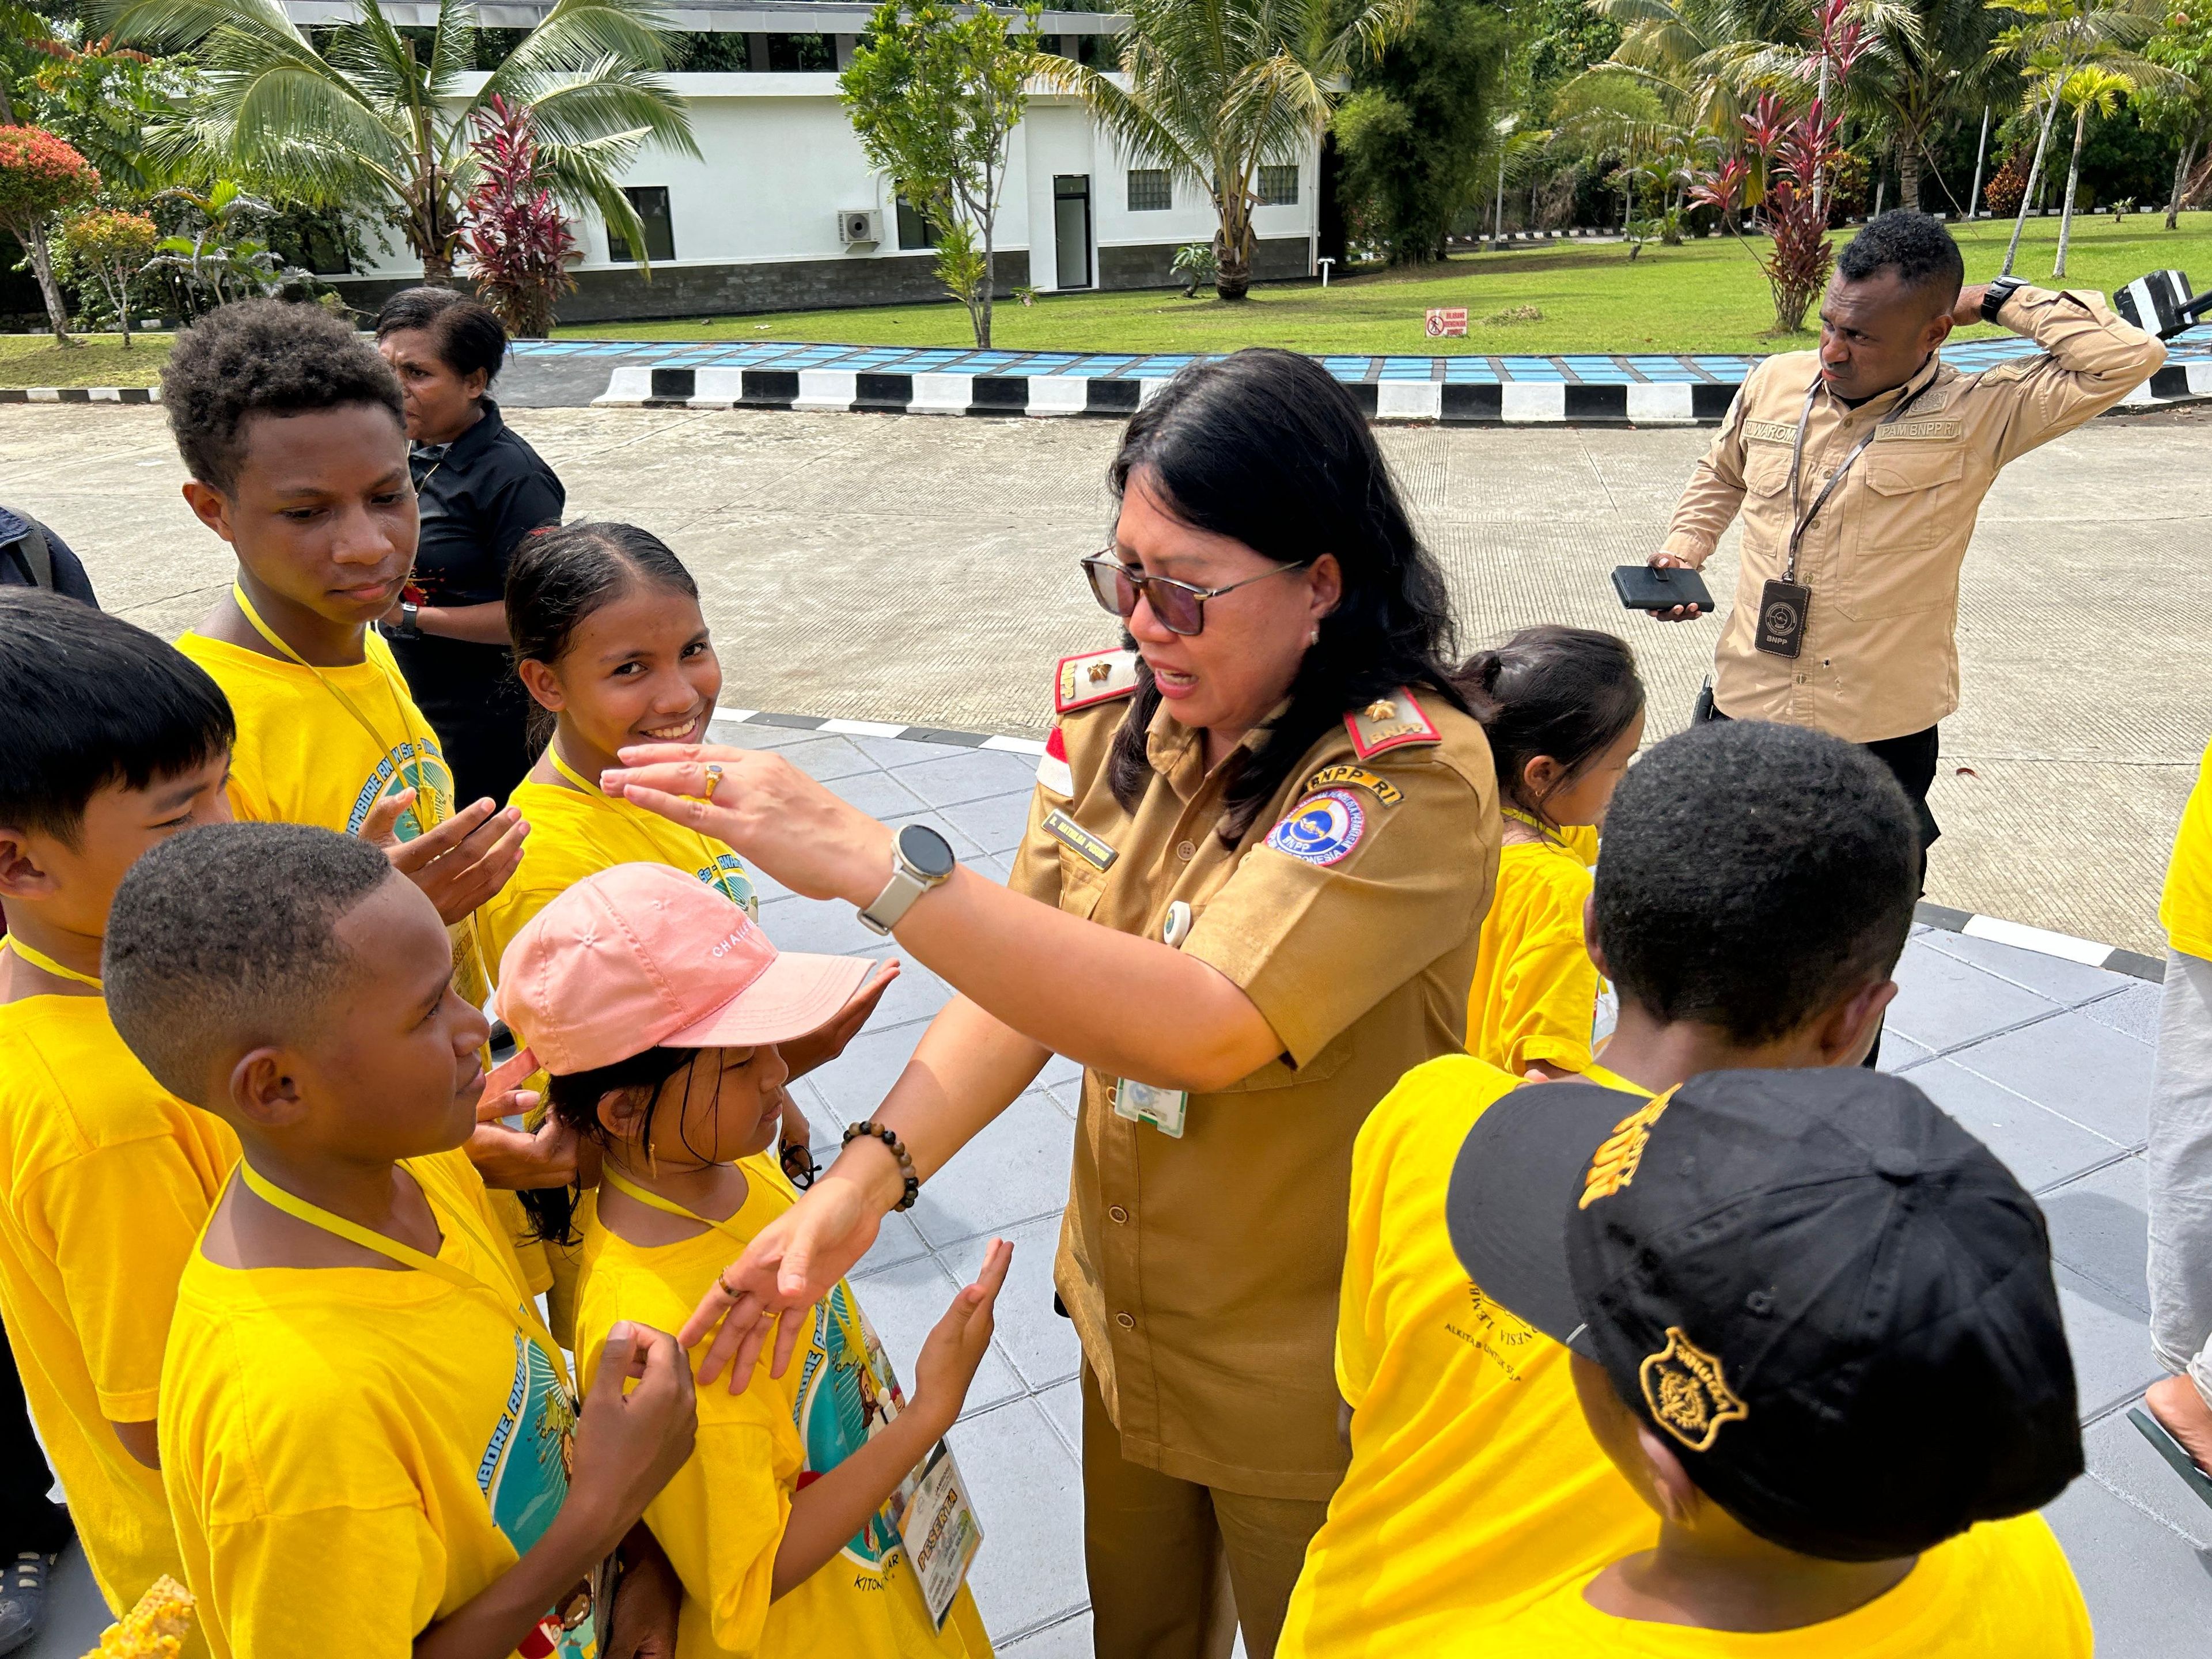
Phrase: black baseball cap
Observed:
(1833, 1303)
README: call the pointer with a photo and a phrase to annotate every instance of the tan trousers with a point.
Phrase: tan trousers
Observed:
(1175, 1566)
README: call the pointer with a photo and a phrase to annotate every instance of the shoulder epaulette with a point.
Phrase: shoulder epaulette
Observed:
(1095, 676)
(1396, 721)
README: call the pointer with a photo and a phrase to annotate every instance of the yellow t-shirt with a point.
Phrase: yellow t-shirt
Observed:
(721, 1519)
(1475, 1486)
(573, 835)
(1535, 995)
(1581, 840)
(350, 1453)
(2002, 1591)
(2185, 910)
(105, 1181)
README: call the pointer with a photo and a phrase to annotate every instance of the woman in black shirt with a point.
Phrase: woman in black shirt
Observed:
(482, 490)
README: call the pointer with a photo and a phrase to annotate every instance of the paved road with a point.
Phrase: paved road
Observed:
(920, 571)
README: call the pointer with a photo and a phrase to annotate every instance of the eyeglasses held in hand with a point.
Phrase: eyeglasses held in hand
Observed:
(1179, 607)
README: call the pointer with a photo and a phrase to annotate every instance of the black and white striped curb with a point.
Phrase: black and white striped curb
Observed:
(80, 394)
(2042, 941)
(2019, 935)
(1513, 402)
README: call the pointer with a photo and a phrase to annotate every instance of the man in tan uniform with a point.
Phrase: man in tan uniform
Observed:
(1859, 469)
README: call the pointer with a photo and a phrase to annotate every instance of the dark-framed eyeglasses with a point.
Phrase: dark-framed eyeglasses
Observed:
(1180, 607)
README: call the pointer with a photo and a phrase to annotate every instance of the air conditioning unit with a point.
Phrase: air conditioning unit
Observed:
(860, 227)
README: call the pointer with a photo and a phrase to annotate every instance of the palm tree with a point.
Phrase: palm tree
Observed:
(371, 119)
(2088, 88)
(1934, 62)
(2053, 39)
(1218, 87)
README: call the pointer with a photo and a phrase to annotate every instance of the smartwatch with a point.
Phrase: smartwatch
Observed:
(920, 860)
(411, 626)
(1993, 297)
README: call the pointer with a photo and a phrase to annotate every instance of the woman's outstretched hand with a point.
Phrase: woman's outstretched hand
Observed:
(777, 817)
(791, 1265)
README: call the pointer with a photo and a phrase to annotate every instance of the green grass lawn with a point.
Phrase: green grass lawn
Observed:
(1703, 296)
(97, 360)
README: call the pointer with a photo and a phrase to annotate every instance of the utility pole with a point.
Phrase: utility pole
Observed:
(1974, 196)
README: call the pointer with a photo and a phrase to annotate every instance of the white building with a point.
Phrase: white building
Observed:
(781, 211)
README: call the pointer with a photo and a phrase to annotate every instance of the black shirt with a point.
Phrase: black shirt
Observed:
(16, 565)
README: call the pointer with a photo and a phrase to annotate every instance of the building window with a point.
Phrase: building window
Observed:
(803, 53)
(914, 229)
(1279, 186)
(650, 204)
(1148, 189)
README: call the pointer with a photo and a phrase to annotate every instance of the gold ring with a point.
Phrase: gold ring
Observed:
(714, 778)
(722, 1284)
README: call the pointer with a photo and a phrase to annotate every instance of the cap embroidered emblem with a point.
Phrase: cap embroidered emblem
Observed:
(1383, 710)
(1688, 1395)
(1614, 1165)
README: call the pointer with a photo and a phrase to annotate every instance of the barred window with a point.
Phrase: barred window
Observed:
(1279, 186)
(1148, 189)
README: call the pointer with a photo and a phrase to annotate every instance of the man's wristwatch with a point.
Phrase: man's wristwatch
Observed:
(1994, 297)
(920, 860)
(410, 623)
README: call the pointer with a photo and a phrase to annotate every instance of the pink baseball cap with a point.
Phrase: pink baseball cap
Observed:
(645, 956)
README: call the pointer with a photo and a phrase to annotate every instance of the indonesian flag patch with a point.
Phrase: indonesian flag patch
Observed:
(1054, 776)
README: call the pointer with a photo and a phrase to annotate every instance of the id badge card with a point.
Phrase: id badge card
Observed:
(940, 1532)
(1782, 610)
(1143, 1103)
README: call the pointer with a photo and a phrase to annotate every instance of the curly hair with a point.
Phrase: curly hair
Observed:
(265, 357)
(1753, 874)
(1916, 246)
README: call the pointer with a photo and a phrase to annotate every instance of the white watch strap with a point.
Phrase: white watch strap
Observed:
(894, 901)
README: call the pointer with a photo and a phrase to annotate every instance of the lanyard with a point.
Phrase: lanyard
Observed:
(39, 959)
(315, 1216)
(1550, 836)
(1803, 522)
(706, 847)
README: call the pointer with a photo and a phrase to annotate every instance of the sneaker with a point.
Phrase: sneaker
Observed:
(23, 1598)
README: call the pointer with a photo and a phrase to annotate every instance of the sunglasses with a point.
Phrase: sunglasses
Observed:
(1179, 607)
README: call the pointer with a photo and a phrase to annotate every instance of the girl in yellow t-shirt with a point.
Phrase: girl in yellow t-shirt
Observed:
(819, 1513)
(1563, 710)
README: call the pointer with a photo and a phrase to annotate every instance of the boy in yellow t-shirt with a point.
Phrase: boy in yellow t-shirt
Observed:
(366, 1434)
(1765, 938)
(111, 743)
(1563, 710)
(1814, 1326)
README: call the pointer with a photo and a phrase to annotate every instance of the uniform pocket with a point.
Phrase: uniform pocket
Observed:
(1766, 468)
(1082, 884)
(1908, 509)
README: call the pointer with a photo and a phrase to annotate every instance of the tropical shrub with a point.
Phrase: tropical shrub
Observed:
(513, 232)
(110, 245)
(40, 176)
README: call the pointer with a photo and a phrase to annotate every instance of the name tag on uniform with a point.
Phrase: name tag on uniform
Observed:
(1165, 1109)
(1078, 841)
(1772, 432)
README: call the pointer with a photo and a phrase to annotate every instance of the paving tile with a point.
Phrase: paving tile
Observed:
(2100, 1228)
(2134, 1011)
(1058, 1070)
(829, 926)
(903, 1303)
(2111, 1341)
(1015, 1170)
(1063, 1404)
(828, 758)
(897, 1242)
(2069, 982)
(1067, 1639)
(733, 735)
(854, 1084)
(2085, 1071)
(970, 774)
(2147, 1589)
(966, 847)
(997, 823)
(997, 865)
(898, 751)
(916, 993)
(1041, 1343)
(878, 793)
(2039, 1147)
(1899, 1052)
(1943, 1002)
(1028, 1495)
(2120, 1458)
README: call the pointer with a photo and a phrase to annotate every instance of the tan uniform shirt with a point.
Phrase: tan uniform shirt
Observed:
(1202, 1272)
(1880, 658)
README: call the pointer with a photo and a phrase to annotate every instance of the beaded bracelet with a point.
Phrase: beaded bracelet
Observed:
(897, 1148)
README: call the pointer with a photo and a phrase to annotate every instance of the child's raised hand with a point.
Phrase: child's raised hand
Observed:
(630, 1441)
(956, 1347)
(460, 864)
(521, 1160)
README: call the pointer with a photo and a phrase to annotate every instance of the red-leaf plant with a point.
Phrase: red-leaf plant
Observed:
(512, 230)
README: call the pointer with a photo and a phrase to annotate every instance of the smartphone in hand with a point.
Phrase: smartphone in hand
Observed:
(1660, 587)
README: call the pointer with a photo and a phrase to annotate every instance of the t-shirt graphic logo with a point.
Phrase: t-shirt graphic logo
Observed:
(407, 766)
(727, 877)
(847, 1393)
(524, 1476)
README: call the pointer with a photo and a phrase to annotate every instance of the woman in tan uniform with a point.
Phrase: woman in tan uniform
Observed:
(1259, 856)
